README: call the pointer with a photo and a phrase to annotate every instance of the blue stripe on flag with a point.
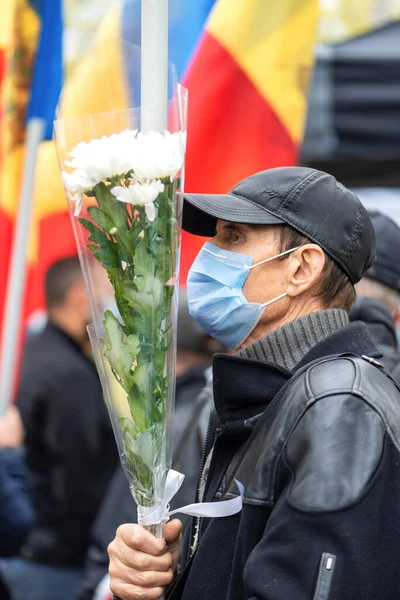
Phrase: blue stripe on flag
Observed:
(47, 76)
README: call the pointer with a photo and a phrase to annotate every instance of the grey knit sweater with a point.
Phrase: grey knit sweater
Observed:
(289, 344)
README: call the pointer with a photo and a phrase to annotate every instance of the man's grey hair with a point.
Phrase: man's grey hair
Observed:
(370, 288)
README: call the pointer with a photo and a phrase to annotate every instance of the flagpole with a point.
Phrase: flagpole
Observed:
(17, 270)
(154, 66)
(154, 72)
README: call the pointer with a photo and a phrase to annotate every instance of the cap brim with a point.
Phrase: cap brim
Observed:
(201, 212)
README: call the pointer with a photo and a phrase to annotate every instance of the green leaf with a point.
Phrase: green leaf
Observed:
(144, 262)
(129, 430)
(159, 359)
(119, 213)
(91, 227)
(101, 218)
(142, 378)
(146, 301)
(133, 343)
(103, 195)
(120, 350)
(109, 205)
(99, 237)
(107, 257)
(142, 454)
(137, 409)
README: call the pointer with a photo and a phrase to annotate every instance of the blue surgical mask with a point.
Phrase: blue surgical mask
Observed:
(215, 297)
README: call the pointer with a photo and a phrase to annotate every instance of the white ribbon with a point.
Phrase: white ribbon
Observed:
(158, 514)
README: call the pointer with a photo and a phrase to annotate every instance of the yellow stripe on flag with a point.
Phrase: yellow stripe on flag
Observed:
(7, 14)
(273, 43)
(98, 84)
(95, 86)
(20, 52)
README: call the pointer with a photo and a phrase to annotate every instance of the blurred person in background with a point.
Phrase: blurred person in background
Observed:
(378, 293)
(70, 450)
(193, 402)
(16, 511)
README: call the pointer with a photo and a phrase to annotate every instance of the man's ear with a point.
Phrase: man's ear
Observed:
(305, 267)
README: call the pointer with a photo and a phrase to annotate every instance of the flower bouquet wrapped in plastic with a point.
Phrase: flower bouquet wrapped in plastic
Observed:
(122, 187)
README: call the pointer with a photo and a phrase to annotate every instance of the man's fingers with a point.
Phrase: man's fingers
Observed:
(142, 561)
(141, 566)
(125, 591)
(138, 538)
(172, 531)
(120, 572)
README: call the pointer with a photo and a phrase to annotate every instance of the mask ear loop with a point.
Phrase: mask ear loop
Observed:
(267, 260)
(273, 300)
(273, 257)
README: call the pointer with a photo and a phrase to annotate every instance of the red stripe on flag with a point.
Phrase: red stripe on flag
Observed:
(6, 234)
(232, 130)
(56, 241)
(5, 221)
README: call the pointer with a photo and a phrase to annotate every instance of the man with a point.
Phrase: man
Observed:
(378, 302)
(69, 443)
(193, 403)
(308, 421)
(16, 511)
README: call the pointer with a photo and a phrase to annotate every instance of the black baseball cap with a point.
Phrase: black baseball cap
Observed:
(386, 268)
(310, 201)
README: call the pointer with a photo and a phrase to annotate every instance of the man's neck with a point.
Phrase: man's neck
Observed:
(292, 312)
(70, 325)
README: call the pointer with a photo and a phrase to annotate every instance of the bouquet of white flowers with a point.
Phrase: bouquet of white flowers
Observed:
(122, 190)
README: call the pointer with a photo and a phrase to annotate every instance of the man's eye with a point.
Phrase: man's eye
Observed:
(235, 236)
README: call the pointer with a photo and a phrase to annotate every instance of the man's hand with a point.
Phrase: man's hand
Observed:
(141, 566)
(11, 429)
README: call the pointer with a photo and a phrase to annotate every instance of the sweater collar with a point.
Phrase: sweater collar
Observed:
(243, 388)
(288, 345)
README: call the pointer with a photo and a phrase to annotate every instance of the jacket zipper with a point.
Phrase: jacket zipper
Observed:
(208, 443)
(325, 576)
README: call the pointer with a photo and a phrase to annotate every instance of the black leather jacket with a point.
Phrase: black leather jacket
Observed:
(321, 473)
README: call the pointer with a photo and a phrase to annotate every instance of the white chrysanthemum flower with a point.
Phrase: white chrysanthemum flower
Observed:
(152, 156)
(106, 157)
(140, 194)
(159, 155)
(77, 183)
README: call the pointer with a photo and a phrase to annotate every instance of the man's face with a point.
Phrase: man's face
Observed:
(77, 303)
(266, 281)
(289, 279)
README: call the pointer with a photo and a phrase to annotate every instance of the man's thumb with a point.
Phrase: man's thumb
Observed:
(172, 531)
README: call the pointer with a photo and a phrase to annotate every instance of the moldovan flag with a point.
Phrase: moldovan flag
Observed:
(19, 28)
(32, 82)
(247, 86)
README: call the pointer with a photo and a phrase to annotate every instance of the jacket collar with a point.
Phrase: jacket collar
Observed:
(54, 331)
(353, 339)
(243, 388)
